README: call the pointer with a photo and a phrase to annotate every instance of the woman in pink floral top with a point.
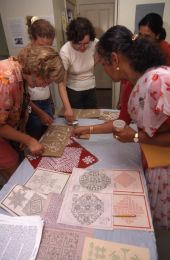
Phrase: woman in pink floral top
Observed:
(37, 66)
(141, 62)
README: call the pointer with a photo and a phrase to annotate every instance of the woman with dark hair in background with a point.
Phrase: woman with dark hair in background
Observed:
(78, 56)
(42, 33)
(149, 105)
(150, 27)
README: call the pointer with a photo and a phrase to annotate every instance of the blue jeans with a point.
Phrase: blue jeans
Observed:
(34, 125)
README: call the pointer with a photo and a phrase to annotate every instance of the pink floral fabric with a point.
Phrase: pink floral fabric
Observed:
(149, 107)
(11, 92)
(11, 100)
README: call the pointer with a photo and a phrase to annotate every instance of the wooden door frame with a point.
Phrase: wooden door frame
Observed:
(115, 85)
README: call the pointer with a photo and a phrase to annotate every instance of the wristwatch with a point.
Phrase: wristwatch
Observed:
(136, 137)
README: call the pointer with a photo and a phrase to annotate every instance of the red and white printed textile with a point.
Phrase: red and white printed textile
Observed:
(74, 155)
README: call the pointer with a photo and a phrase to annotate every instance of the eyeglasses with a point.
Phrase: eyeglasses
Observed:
(83, 44)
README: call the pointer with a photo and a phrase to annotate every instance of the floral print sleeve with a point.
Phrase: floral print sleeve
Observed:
(11, 92)
(5, 102)
(149, 103)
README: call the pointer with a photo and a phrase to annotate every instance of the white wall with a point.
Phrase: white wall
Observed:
(10, 9)
(127, 8)
(20, 9)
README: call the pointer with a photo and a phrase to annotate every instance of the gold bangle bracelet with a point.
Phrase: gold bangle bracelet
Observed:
(91, 129)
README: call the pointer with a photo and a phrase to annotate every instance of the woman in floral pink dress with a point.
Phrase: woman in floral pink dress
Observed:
(37, 66)
(141, 62)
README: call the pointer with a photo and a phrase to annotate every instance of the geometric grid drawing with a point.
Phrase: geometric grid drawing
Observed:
(22, 201)
(131, 211)
(55, 139)
(109, 115)
(34, 206)
(58, 244)
(127, 181)
(100, 249)
(46, 181)
(94, 180)
(87, 208)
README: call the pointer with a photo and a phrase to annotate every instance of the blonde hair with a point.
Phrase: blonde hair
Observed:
(43, 61)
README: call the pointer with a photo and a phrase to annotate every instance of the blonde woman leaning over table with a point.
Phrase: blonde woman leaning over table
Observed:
(34, 65)
(149, 105)
(41, 33)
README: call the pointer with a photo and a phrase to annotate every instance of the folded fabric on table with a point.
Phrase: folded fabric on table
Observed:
(74, 155)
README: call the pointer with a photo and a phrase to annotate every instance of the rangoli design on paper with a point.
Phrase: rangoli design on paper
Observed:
(106, 250)
(94, 180)
(127, 206)
(109, 115)
(125, 182)
(46, 181)
(23, 201)
(34, 206)
(134, 208)
(55, 139)
(17, 198)
(61, 244)
(87, 208)
(41, 180)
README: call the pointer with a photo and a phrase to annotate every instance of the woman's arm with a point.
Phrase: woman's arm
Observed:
(94, 129)
(66, 103)
(161, 137)
(11, 133)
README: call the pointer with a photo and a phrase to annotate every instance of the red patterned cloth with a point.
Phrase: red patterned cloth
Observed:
(74, 155)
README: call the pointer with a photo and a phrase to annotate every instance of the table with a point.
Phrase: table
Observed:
(111, 154)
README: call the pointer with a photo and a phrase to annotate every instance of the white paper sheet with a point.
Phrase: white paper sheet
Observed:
(46, 181)
(22, 201)
(20, 237)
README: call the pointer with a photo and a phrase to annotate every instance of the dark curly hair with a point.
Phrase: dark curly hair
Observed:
(155, 23)
(141, 53)
(78, 28)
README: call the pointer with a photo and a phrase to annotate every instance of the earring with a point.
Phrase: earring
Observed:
(117, 68)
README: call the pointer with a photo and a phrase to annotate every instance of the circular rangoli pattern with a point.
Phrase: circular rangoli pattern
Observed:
(87, 209)
(94, 180)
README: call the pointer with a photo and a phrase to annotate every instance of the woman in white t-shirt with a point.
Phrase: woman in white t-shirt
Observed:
(78, 56)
